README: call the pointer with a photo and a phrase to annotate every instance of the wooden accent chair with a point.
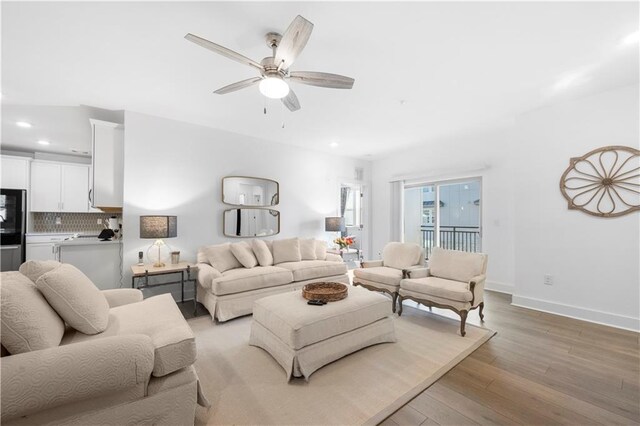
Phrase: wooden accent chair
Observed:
(385, 275)
(454, 280)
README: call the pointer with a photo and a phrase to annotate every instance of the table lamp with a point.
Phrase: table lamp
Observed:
(334, 224)
(158, 227)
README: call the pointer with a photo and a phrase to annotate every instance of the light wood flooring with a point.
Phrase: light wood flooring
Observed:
(540, 369)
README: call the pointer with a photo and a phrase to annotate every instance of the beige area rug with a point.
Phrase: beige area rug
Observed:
(246, 386)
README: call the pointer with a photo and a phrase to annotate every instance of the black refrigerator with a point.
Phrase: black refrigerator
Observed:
(12, 228)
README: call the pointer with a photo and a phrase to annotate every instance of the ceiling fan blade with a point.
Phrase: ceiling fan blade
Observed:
(238, 85)
(221, 50)
(322, 79)
(291, 101)
(293, 41)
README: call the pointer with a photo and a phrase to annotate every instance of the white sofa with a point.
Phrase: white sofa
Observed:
(135, 365)
(233, 276)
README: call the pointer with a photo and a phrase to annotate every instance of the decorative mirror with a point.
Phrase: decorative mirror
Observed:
(604, 182)
(245, 223)
(250, 191)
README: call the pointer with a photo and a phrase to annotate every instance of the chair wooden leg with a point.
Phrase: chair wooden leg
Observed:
(394, 301)
(463, 321)
(481, 307)
(399, 305)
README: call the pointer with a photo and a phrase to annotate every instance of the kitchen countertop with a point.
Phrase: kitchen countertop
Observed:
(80, 240)
(87, 242)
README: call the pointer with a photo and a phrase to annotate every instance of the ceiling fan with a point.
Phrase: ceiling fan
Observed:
(274, 70)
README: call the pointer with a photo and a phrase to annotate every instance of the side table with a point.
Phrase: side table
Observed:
(143, 272)
(345, 252)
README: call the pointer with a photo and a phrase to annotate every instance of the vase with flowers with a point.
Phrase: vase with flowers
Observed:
(344, 242)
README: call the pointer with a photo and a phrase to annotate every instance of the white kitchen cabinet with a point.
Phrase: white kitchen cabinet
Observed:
(107, 164)
(15, 172)
(100, 261)
(59, 187)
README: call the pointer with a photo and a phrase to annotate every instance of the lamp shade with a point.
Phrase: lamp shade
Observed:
(158, 226)
(334, 224)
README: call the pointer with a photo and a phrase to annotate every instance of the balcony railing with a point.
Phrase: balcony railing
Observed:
(465, 238)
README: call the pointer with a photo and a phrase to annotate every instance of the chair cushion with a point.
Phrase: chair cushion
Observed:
(262, 252)
(33, 269)
(439, 287)
(157, 317)
(381, 274)
(298, 325)
(221, 257)
(401, 255)
(29, 323)
(286, 251)
(456, 265)
(310, 269)
(75, 298)
(308, 249)
(321, 250)
(240, 280)
(243, 252)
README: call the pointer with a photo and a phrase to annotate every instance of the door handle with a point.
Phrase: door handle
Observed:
(90, 194)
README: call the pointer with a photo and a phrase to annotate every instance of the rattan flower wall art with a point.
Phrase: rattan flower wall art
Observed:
(604, 182)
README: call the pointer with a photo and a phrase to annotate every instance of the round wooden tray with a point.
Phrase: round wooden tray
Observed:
(329, 292)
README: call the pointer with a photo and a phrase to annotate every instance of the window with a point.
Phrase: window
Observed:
(351, 204)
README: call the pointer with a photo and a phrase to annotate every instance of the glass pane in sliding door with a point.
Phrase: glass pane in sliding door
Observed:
(459, 216)
(420, 216)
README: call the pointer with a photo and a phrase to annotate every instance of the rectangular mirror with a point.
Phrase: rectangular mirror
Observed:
(245, 223)
(250, 191)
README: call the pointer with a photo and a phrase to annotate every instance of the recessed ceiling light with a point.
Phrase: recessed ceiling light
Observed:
(43, 142)
(630, 39)
(23, 124)
(333, 144)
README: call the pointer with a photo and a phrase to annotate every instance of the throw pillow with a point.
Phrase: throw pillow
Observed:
(262, 252)
(308, 249)
(33, 269)
(321, 250)
(75, 298)
(242, 251)
(28, 322)
(286, 251)
(221, 257)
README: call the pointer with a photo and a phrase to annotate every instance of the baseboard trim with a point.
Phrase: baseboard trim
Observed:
(499, 287)
(590, 315)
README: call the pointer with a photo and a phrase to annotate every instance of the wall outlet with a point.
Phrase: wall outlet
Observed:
(99, 221)
(58, 220)
(548, 280)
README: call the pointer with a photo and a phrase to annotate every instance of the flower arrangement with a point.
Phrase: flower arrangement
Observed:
(344, 242)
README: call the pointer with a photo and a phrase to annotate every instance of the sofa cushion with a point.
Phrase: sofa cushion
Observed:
(157, 317)
(321, 250)
(29, 323)
(33, 269)
(308, 249)
(380, 274)
(310, 269)
(402, 255)
(241, 280)
(262, 252)
(75, 298)
(439, 287)
(221, 257)
(243, 252)
(456, 265)
(286, 251)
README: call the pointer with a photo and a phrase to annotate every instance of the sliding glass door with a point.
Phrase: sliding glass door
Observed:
(444, 214)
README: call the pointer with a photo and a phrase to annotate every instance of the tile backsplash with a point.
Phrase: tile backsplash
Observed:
(85, 223)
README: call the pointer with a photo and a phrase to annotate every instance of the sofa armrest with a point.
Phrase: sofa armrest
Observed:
(47, 378)
(476, 286)
(122, 296)
(417, 272)
(206, 274)
(333, 258)
(371, 263)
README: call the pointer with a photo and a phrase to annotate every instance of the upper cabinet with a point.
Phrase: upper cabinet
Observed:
(108, 165)
(15, 172)
(59, 187)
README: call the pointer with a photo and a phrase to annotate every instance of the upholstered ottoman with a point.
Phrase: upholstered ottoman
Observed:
(302, 338)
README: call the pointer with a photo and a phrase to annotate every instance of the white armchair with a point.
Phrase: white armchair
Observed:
(385, 275)
(454, 280)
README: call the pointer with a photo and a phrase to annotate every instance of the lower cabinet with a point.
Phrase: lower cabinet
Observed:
(99, 261)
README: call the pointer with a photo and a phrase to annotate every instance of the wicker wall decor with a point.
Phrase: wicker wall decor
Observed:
(604, 182)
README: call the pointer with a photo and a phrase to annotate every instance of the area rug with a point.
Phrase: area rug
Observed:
(246, 386)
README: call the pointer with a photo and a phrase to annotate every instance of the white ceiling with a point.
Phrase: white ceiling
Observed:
(423, 71)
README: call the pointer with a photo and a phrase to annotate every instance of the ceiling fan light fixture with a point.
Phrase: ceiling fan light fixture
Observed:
(274, 87)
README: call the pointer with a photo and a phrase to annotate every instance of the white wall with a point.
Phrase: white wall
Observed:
(176, 168)
(528, 230)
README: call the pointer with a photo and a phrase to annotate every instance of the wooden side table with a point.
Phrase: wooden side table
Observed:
(143, 272)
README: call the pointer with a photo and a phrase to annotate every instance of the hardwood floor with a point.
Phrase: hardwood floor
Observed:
(540, 369)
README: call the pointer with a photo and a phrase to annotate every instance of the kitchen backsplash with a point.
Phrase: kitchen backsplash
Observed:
(85, 223)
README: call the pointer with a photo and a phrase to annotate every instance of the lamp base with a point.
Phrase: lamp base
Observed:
(158, 252)
(158, 265)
